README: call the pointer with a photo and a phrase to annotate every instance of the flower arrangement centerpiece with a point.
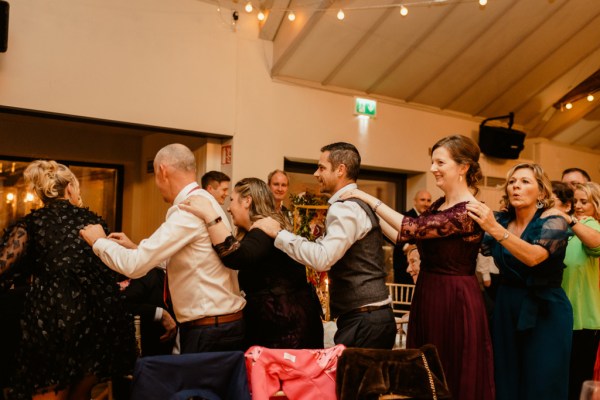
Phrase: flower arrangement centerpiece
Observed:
(309, 222)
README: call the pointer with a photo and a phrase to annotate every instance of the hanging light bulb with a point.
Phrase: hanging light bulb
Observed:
(403, 11)
(291, 16)
(248, 7)
(341, 15)
(590, 97)
(482, 2)
(261, 16)
(568, 106)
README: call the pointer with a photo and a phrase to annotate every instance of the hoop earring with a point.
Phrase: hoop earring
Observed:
(539, 205)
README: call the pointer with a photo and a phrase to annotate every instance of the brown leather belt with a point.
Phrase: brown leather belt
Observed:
(364, 309)
(216, 320)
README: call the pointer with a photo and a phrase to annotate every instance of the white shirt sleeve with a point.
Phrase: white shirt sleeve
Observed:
(485, 266)
(346, 223)
(179, 229)
(158, 313)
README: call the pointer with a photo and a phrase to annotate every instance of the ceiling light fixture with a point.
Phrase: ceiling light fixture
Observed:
(586, 89)
(403, 11)
(261, 16)
(341, 15)
(482, 3)
(248, 7)
(291, 16)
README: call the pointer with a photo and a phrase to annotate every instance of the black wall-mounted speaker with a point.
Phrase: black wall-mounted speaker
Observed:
(500, 142)
(4, 6)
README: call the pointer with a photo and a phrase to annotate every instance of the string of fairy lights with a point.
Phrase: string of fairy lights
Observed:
(343, 8)
(403, 7)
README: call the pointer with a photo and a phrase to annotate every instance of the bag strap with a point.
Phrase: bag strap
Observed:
(430, 376)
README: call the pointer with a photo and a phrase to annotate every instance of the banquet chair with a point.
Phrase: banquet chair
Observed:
(293, 374)
(401, 295)
(214, 375)
(378, 374)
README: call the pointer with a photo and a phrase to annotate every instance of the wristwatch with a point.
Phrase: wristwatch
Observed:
(573, 221)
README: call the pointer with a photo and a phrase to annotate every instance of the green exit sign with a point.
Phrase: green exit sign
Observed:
(365, 107)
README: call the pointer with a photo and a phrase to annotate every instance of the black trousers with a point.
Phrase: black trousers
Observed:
(370, 330)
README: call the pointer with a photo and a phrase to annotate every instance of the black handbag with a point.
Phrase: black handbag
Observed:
(367, 374)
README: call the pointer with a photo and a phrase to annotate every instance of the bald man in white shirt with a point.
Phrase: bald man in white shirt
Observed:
(205, 294)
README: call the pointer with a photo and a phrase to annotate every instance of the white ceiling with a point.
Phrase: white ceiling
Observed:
(518, 56)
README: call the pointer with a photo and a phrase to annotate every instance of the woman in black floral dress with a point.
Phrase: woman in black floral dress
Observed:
(74, 329)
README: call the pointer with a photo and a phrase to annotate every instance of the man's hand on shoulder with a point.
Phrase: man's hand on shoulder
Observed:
(91, 233)
(122, 239)
(267, 225)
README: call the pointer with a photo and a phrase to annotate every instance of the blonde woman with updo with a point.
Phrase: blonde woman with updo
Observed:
(74, 330)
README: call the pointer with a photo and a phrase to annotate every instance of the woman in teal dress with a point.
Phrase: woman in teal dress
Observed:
(533, 318)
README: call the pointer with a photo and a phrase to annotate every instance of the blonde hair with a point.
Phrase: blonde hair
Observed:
(263, 201)
(544, 185)
(49, 179)
(592, 191)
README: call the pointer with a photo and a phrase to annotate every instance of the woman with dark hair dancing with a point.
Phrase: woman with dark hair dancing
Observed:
(447, 308)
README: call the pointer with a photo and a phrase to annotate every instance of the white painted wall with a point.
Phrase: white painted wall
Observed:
(556, 157)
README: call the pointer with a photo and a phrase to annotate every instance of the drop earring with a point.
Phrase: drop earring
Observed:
(539, 205)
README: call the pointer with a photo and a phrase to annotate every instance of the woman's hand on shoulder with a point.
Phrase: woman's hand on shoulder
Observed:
(199, 206)
(356, 194)
(481, 214)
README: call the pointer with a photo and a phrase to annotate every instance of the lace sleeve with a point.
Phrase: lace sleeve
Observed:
(12, 247)
(230, 245)
(436, 225)
(553, 234)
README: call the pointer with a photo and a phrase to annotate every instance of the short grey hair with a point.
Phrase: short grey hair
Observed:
(178, 156)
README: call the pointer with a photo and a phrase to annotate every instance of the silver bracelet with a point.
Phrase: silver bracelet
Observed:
(214, 222)
(504, 237)
(376, 205)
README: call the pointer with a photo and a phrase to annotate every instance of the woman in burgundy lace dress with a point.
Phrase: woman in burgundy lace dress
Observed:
(447, 308)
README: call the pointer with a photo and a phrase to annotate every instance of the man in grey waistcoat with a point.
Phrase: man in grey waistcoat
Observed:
(351, 251)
